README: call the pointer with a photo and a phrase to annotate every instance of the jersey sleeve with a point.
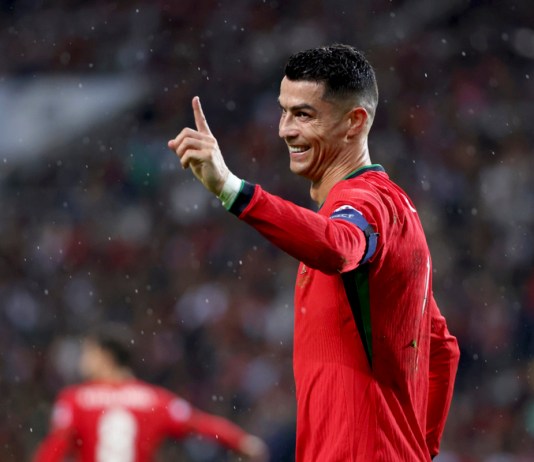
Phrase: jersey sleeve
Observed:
(444, 358)
(58, 443)
(185, 420)
(330, 244)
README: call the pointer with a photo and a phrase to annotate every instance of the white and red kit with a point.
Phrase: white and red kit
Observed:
(374, 362)
(126, 422)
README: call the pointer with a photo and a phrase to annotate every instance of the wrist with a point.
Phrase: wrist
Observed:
(230, 190)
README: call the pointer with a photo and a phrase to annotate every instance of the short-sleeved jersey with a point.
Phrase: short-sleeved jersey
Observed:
(374, 363)
(126, 421)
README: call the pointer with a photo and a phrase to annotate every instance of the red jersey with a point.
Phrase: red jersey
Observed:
(374, 363)
(127, 421)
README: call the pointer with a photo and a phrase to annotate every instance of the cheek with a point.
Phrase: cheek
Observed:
(324, 141)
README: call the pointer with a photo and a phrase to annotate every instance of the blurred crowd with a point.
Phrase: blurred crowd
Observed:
(108, 227)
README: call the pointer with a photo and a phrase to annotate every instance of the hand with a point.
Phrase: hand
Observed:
(254, 449)
(199, 150)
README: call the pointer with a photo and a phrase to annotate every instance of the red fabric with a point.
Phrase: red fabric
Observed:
(443, 364)
(347, 410)
(129, 419)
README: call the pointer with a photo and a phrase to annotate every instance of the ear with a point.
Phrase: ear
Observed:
(358, 118)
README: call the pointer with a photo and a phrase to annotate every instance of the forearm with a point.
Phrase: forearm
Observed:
(330, 246)
(218, 429)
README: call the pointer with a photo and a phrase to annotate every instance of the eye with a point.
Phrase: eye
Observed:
(302, 115)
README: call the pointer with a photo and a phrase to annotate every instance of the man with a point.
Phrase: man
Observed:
(374, 363)
(115, 417)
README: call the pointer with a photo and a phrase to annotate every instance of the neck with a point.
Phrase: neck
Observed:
(319, 189)
(115, 375)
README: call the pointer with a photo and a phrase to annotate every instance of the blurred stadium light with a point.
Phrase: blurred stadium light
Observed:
(41, 113)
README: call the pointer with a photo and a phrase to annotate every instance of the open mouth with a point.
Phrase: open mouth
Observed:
(296, 150)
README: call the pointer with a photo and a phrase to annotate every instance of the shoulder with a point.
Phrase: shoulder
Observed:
(165, 397)
(68, 394)
(179, 409)
(63, 409)
(373, 190)
(176, 408)
(368, 192)
(160, 392)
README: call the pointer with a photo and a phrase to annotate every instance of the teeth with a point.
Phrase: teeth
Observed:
(297, 148)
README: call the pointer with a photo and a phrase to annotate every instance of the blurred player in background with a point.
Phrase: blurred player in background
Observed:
(115, 417)
(374, 362)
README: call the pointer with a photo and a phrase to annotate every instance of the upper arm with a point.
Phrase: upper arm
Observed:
(354, 216)
(179, 415)
(365, 212)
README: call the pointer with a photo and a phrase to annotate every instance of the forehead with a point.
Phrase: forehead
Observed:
(298, 92)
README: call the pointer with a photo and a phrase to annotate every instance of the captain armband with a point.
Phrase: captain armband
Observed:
(354, 216)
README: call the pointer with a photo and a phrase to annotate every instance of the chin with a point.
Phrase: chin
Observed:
(297, 169)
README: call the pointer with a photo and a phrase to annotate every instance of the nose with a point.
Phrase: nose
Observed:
(286, 127)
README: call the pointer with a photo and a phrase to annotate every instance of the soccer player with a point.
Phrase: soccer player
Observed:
(374, 362)
(115, 417)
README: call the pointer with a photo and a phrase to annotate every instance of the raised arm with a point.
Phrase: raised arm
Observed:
(330, 245)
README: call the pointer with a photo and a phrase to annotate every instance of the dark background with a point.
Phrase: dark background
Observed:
(98, 222)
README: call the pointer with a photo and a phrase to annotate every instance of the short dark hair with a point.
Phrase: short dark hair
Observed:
(343, 69)
(117, 339)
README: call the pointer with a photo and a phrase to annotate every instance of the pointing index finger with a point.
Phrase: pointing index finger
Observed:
(200, 118)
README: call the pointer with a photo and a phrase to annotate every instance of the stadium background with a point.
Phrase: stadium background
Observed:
(99, 223)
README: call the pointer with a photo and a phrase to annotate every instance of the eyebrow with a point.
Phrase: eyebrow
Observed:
(299, 107)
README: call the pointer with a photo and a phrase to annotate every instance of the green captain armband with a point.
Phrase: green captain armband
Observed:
(230, 190)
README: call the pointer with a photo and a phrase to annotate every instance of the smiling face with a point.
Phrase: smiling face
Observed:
(314, 129)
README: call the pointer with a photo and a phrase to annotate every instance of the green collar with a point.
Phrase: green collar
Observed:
(367, 168)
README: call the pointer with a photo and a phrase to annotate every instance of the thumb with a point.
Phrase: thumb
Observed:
(200, 118)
